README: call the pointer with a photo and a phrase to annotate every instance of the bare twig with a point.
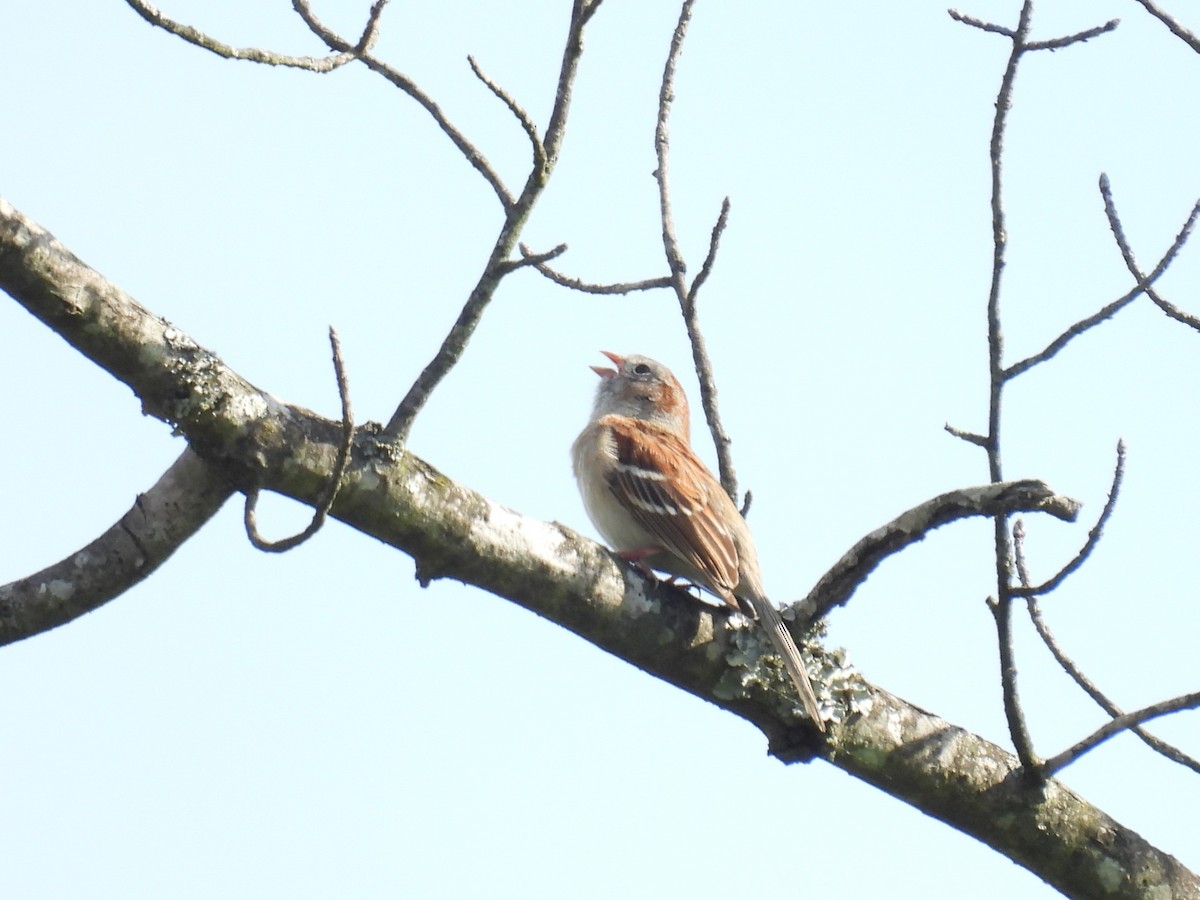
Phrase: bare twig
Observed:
(840, 582)
(1015, 715)
(1101, 315)
(1144, 282)
(198, 38)
(1116, 726)
(662, 145)
(587, 287)
(581, 13)
(1077, 38)
(371, 31)
(676, 264)
(1093, 537)
(969, 436)
(999, 248)
(980, 23)
(536, 260)
(1178, 30)
(539, 151)
(322, 508)
(714, 242)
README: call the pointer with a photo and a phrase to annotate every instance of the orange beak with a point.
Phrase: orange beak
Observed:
(604, 372)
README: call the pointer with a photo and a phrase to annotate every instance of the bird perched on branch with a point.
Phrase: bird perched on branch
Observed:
(658, 506)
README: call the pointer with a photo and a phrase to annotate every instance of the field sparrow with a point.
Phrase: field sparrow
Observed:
(657, 505)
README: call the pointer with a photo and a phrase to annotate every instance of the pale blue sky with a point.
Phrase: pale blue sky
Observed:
(316, 725)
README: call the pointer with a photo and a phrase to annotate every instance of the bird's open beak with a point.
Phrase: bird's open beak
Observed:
(604, 372)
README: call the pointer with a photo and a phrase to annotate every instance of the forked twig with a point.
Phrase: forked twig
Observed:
(1115, 726)
(1144, 282)
(1107, 312)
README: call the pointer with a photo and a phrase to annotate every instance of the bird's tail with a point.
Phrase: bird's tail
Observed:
(772, 624)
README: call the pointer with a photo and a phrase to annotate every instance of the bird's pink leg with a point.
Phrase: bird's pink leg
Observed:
(638, 558)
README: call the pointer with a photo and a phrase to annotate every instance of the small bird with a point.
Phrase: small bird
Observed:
(658, 506)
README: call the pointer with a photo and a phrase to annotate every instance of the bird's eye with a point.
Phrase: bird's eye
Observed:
(641, 369)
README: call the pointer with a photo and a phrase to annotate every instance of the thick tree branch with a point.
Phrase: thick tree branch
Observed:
(840, 582)
(452, 531)
(160, 520)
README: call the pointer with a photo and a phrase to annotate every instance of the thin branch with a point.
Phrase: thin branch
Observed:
(198, 38)
(1116, 726)
(714, 242)
(325, 503)
(1178, 30)
(1143, 282)
(159, 522)
(587, 287)
(1077, 38)
(1093, 537)
(556, 129)
(1001, 606)
(999, 248)
(676, 264)
(838, 584)
(662, 151)
(969, 436)
(1013, 712)
(535, 260)
(499, 263)
(1101, 315)
(370, 32)
(980, 23)
(539, 151)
